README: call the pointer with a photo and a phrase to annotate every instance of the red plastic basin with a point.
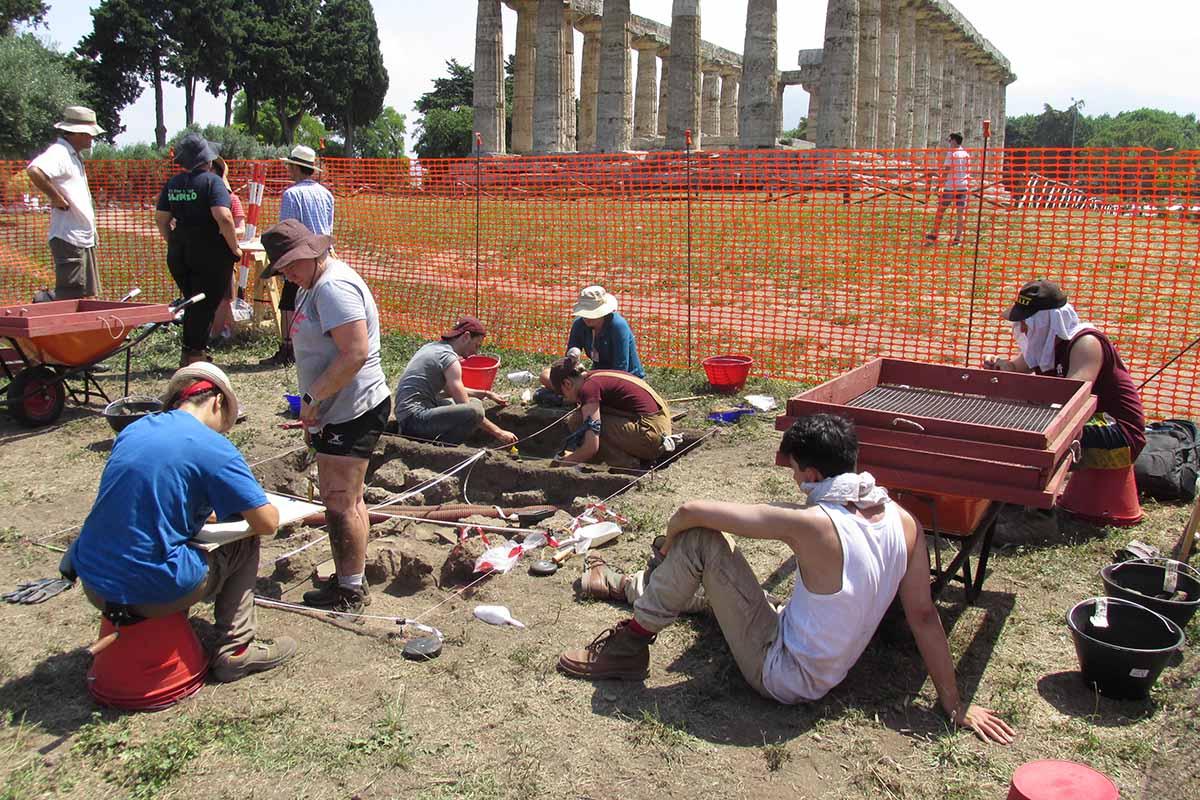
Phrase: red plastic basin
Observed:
(152, 664)
(479, 372)
(727, 374)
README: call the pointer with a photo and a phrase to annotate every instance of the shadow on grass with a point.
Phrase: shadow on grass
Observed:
(1070, 695)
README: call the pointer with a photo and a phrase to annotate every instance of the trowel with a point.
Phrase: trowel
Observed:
(585, 538)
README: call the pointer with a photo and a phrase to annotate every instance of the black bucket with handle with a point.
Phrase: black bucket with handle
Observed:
(1168, 587)
(1122, 646)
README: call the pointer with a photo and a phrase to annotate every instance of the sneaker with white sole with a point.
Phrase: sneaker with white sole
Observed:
(258, 656)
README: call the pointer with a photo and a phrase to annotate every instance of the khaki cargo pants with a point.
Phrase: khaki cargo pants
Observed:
(627, 440)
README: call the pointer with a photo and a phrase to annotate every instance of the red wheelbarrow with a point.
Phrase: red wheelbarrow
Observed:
(65, 339)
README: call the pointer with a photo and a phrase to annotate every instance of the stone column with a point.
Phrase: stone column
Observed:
(488, 99)
(780, 88)
(613, 123)
(710, 102)
(868, 73)
(548, 81)
(935, 132)
(951, 110)
(1000, 117)
(589, 83)
(920, 100)
(814, 105)
(839, 69)
(730, 79)
(664, 102)
(570, 120)
(645, 103)
(684, 100)
(524, 70)
(760, 72)
(906, 77)
(889, 73)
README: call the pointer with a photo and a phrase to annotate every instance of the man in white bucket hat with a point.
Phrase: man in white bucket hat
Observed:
(312, 204)
(600, 334)
(59, 174)
(167, 475)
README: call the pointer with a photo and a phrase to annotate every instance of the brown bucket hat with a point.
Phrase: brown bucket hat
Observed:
(289, 241)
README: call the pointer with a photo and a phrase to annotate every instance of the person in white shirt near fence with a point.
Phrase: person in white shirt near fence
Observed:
(955, 177)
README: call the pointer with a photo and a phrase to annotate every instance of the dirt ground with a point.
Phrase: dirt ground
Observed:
(491, 718)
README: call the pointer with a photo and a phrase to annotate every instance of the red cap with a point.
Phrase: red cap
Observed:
(466, 325)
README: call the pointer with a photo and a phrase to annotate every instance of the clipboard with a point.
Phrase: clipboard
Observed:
(215, 534)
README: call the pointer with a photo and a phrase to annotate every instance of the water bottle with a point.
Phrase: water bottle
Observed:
(521, 378)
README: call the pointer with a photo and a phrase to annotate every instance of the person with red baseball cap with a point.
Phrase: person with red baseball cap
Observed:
(432, 402)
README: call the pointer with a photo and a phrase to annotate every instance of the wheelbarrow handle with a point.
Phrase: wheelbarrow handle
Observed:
(134, 292)
(196, 298)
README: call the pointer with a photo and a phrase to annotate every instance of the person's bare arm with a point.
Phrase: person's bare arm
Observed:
(926, 626)
(461, 394)
(591, 441)
(1006, 364)
(354, 345)
(224, 219)
(783, 523)
(1087, 358)
(47, 187)
(263, 520)
(162, 221)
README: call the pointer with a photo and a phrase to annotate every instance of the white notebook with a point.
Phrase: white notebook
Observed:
(215, 534)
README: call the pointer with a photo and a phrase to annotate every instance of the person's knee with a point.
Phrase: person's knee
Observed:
(705, 540)
(476, 410)
(340, 502)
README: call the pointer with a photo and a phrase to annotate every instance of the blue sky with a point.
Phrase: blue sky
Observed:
(1114, 54)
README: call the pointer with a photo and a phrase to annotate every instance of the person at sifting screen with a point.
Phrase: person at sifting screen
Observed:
(600, 334)
(168, 474)
(623, 421)
(344, 402)
(432, 402)
(1053, 341)
(312, 204)
(195, 219)
(855, 551)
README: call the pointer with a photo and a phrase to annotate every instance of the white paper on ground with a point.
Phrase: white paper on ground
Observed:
(215, 534)
(762, 402)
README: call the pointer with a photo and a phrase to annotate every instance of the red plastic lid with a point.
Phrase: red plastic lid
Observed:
(1060, 780)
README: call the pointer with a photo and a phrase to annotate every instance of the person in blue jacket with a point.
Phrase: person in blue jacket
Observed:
(600, 334)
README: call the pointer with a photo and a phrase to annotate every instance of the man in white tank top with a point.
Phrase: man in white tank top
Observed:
(956, 184)
(855, 551)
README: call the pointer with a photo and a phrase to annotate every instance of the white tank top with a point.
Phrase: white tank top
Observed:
(822, 635)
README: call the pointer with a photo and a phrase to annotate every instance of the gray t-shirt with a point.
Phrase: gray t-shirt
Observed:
(340, 296)
(424, 379)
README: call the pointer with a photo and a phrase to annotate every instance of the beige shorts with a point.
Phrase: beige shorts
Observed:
(75, 272)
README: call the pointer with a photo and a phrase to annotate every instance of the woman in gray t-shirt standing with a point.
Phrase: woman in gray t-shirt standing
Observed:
(345, 400)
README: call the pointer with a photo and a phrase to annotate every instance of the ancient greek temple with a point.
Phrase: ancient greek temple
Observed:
(891, 74)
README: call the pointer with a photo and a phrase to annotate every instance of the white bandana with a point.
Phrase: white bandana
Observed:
(1045, 328)
(849, 487)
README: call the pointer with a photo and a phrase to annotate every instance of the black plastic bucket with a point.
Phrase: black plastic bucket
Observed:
(128, 410)
(1124, 659)
(1141, 580)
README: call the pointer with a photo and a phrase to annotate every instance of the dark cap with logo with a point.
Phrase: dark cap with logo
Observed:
(1035, 296)
(469, 325)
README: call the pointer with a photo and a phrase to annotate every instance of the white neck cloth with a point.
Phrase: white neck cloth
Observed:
(849, 487)
(1045, 329)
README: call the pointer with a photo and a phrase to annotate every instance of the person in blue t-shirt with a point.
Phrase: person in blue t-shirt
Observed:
(168, 474)
(600, 334)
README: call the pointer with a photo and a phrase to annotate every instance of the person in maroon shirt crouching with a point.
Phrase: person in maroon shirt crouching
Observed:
(1053, 341)
(623, 420)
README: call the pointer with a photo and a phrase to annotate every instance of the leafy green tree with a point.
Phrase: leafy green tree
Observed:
(36, 84)
(383, 138)
(444, 130)
(275, 62)
(348, 67)
(14, 11)
(1147, 128)
(308, 131)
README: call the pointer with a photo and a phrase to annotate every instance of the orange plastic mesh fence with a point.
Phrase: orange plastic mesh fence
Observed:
(810, 261)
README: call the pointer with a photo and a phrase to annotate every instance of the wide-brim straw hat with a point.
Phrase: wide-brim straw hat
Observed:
(289, 241)
(594, 302)
(303, 156)
(204, 371)
(79, 119)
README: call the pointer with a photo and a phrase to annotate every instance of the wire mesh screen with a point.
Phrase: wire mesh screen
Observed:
(811, 262)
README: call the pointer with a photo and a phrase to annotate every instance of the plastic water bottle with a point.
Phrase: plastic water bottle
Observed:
(496, 615)
(521, 378)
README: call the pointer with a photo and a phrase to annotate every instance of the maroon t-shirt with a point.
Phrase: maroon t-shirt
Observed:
(1116, 393)
(618, 394)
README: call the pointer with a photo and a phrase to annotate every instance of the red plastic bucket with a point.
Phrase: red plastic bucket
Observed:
(727, 374)
(1060, 780)
(479, 372)
(152, 664)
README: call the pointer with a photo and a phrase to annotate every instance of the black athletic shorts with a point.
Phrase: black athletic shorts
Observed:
(287, 297)
(357, 437)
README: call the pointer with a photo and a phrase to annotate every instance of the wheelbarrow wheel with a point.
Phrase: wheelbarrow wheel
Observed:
(36, 396)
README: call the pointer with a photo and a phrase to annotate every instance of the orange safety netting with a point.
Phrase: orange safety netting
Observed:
(809, 261)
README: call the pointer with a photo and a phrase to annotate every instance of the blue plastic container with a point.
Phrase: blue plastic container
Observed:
(729, 417)
(293, 401)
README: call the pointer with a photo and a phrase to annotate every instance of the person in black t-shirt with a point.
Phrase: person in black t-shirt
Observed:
(194, 217)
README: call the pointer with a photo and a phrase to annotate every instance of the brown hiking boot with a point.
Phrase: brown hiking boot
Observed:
(259, 656)
(616, 653)
(601, 582)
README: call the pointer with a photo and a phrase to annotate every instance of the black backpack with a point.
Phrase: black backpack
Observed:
(1168, 466)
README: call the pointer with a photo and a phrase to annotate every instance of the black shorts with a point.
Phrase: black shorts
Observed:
(356, 438)
(287, 297)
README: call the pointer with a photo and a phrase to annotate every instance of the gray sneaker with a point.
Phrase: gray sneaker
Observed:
(328, 594)
(259, 656)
